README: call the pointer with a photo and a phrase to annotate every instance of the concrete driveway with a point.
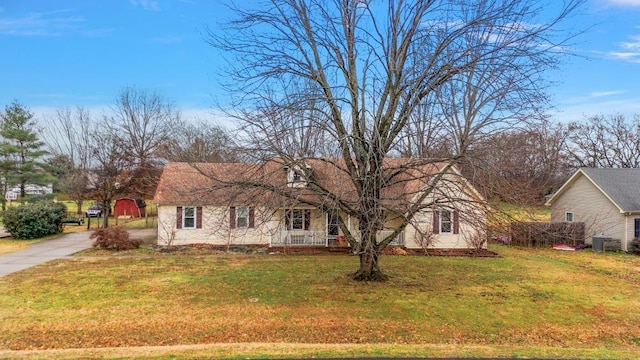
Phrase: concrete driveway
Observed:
(61, 247)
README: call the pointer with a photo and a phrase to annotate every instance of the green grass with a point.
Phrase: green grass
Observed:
(525, 212)
(504, 214)
(525, 303)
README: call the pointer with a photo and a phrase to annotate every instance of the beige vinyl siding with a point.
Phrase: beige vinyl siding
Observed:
(471, 219)
(215, 228)
(629, 230)
(589, 205)
(423, 222)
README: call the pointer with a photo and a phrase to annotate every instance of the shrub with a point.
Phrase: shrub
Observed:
(114, 238)
(634, 246)
(31, 221)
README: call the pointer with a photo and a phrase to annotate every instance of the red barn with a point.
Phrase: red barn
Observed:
(129, 207)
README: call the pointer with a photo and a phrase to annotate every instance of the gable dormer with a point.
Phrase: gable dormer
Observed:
(297, 175)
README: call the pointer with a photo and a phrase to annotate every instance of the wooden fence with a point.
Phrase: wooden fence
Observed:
(544, 234)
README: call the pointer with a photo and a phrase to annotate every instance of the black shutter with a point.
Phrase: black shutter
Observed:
(456, 218)
(199, 217)
(179, 217)
(436, 221)
(252, 220)
(307, 219)
(232, 217)
(287, 219)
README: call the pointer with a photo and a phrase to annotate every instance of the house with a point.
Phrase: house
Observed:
(13, 193)
(218, 203)
(606, 200)
(129, 207)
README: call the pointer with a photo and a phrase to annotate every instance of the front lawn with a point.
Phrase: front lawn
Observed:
(526, 303)
(9, 245)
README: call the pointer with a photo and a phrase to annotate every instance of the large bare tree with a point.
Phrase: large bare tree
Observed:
(68, 137)
(142, 122)
(109, 168)
(361, 70)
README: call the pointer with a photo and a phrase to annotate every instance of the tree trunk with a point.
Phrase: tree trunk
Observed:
(369, 251)
(79, 206)
(369, 269)
(105, 214)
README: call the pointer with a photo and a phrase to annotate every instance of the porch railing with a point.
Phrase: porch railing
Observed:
(398, 240)
(319, 238)
(299, 238)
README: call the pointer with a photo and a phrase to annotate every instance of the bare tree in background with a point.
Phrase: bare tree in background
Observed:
(521, 166)
(363, 69)
(68, 137)
(605, 141)
(199, 141)
(142, 122)
(109, 168)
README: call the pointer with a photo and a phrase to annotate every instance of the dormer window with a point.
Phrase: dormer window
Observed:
(296, 176)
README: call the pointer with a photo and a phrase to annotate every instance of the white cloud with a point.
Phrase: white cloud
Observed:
(632, 45)
(598, 94)
(40, 24)
(623, 2)
(576, 111)
(626, 56)
(147, 4)
(628, 50)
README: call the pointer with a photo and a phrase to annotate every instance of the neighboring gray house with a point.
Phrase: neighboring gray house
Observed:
(606, 200)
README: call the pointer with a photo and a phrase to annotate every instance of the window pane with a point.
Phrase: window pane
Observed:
(242, 216)
(189, 217)
(297, 219)
(569, 217)
(445, 221)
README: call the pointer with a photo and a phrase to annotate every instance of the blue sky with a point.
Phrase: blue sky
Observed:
(82, 52)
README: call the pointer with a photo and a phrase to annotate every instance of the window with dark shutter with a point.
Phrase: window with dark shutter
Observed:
(252, 218)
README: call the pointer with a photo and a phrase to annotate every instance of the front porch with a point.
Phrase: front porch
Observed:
(320, 238)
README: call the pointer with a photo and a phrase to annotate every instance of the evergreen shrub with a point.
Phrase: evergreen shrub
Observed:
(34, 220)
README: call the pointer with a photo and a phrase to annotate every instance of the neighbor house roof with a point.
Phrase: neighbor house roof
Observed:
(620, 186)
(225, 183)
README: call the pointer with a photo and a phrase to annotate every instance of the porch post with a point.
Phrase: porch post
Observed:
(326, 229)
(270, 230)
